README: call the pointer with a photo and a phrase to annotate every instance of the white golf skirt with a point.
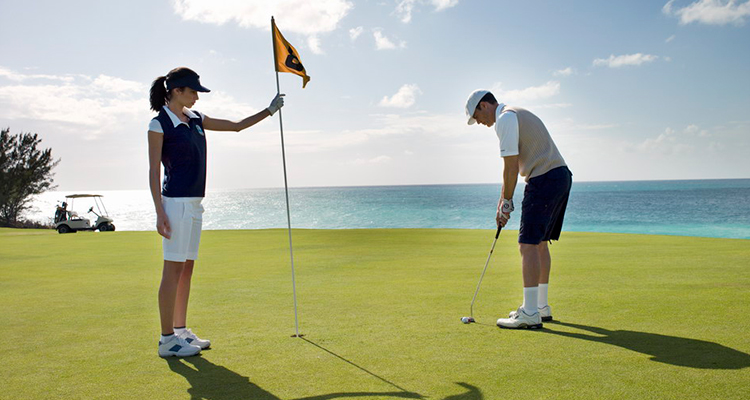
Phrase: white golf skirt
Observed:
(185, 215)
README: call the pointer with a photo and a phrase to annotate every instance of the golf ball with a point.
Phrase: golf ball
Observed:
(465, 320)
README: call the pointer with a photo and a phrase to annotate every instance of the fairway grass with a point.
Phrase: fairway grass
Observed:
(637, 317)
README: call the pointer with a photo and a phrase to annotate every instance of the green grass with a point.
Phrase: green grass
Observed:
(641, 317)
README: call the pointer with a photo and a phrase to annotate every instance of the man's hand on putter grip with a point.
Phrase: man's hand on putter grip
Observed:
(502, 219)
(504, 208)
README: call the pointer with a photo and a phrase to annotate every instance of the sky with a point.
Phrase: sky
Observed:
(629, 90)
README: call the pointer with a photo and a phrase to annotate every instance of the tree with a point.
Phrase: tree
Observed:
(25, 171)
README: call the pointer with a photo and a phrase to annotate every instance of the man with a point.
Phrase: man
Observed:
(527, 149)
(61, 213)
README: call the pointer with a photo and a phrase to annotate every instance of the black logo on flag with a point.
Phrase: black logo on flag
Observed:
(292, 61)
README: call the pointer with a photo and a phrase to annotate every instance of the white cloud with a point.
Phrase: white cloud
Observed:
(313, 42)
(95, 105)
(355, 32)
(674, 142)
(18, 77)
(443, 4)
(383, 43)
(299, 16)
(405, 8)
(695, 130)
(563, 72)
(625, 60)
(115, 85)
(710, 12)
(404, 98)
(224, 105)
(669, 39)
(664, 143)
(529, 94)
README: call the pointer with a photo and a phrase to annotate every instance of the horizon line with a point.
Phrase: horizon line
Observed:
(417, 184)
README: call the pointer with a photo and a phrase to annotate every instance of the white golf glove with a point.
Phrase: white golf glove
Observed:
(505, 208)
(276, 103)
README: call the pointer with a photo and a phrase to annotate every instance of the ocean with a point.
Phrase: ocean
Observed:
(708, 208)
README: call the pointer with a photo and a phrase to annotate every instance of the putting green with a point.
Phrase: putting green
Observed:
(639, 317)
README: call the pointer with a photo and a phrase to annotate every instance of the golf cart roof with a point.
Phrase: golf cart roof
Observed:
(75, 196)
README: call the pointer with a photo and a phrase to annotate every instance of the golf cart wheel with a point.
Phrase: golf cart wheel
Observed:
(63, 229)
(111, 227)
(103, 228)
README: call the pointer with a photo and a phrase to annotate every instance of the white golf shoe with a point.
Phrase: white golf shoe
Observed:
(520, 320)
(544, 312)
(177, 347)
(194, 340)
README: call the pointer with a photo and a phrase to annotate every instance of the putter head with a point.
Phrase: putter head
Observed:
(467, 320)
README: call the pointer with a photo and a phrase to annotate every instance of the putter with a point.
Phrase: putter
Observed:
(470, 318)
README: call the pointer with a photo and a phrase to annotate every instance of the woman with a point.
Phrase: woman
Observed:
(176, 139)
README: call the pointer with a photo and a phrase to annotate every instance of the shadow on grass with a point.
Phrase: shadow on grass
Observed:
(672, 350)
(411, 395)
(472, 393)
(402, 393)
(214, 382)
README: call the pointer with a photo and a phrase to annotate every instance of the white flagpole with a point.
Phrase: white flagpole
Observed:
(286, 186)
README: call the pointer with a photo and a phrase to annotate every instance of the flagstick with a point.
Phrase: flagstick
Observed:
(286, 188)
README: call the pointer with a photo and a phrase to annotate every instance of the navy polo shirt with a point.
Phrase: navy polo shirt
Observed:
(183, 154)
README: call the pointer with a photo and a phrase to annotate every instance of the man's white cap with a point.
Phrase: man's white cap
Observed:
(472, 103)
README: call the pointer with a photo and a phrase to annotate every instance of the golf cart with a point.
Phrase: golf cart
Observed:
(67, 220)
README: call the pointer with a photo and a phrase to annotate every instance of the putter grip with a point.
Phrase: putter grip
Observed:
(499, 228)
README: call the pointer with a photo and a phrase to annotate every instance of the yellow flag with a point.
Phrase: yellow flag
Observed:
(287, 58)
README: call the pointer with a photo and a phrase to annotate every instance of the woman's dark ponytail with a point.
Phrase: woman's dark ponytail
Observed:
(158, 95)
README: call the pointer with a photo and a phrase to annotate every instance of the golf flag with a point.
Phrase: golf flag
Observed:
(287, 58)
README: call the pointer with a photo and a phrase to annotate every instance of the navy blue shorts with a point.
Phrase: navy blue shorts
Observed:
(543, 209)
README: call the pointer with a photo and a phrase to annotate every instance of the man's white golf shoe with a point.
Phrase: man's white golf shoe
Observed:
(544, 312)
(177, 347)
(194, 340)
(519, 319)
